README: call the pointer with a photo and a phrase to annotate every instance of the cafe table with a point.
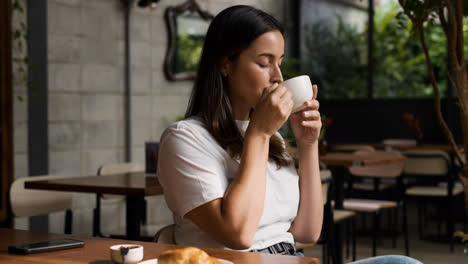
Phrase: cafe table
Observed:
(134, 186)
(338, 163)
(424, 146)
(96, 251)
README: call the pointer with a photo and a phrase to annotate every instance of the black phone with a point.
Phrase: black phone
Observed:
(44, 246)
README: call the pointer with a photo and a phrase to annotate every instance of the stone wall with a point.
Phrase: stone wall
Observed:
(86, 95)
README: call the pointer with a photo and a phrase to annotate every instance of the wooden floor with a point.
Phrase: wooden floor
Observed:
(426, 251)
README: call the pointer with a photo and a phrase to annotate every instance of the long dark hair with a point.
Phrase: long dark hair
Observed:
(230, 32)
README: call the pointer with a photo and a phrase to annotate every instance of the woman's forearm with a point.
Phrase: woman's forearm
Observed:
(243, 202)
(308, 223)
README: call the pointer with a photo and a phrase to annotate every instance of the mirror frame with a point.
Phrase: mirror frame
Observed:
(171, 11)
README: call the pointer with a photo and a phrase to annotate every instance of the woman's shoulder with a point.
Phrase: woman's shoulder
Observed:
(192, 126)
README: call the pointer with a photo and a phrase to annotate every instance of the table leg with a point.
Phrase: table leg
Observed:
(338, 174)
(338, 178)
(133, 216)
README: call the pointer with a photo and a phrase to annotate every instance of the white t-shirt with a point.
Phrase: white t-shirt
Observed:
(193, 170)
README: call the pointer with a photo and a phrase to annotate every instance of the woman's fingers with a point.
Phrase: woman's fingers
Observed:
(312, 104)
(271, 88)
(312, 123)
(314, 89)
(311, 114)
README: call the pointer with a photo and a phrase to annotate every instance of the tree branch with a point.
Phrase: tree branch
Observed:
(435, 88)
(442, 19)
(459, 19)
(452, 35)
(455, 149)
(407, 12)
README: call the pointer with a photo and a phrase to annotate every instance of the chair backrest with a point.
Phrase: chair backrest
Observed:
(426, 163)
(386, 170)
(399, 142)
(28, 202)
(114, 168)
(165, 235)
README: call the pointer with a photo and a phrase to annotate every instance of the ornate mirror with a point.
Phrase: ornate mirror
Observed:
(187, 25)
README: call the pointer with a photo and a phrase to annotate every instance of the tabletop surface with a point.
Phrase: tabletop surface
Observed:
(96, 251)
(424, 146)
(135, 183)
(348, 159)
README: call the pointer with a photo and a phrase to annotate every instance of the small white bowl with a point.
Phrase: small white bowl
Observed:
(134, 255)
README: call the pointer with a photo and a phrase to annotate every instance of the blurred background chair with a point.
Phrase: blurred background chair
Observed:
(107, 200)
(430, 180)
(25, 202)
(397, 143)
(165, 235)
(374, 204)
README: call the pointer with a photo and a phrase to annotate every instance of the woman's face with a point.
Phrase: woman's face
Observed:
(256, 68)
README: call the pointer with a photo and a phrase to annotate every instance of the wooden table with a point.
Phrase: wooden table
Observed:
(135, 186)
(96, 251)
(338, 163)
(363, 159)
(424, 146)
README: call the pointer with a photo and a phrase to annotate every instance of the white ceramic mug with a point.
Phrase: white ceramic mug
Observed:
(301, 90)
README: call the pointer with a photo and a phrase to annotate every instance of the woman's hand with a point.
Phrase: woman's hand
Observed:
(272, 111)
(306, 124)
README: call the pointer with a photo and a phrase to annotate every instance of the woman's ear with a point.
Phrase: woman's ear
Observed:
(225, 66)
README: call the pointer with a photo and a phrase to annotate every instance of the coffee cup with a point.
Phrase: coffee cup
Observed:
(301, 90)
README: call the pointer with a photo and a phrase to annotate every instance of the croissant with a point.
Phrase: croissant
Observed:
(188, 255)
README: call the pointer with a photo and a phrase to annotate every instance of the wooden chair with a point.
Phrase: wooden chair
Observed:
(375, 206)
(397, 143)
(26, 202)
(431, 179)
(165, 235)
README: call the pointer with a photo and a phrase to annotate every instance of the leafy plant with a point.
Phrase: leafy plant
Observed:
(189, 49)
(336, 59)
(20, 39)
(449, 16)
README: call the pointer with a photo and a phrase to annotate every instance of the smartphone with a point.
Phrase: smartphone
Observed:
(44, 246)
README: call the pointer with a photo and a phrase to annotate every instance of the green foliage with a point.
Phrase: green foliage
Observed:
(336, 60)
(189, 49)
(400, 66)
(20, 57)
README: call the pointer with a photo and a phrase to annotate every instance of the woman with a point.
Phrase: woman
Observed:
(226, 172)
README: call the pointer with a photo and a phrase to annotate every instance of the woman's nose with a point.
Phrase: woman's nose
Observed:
(277, 76)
